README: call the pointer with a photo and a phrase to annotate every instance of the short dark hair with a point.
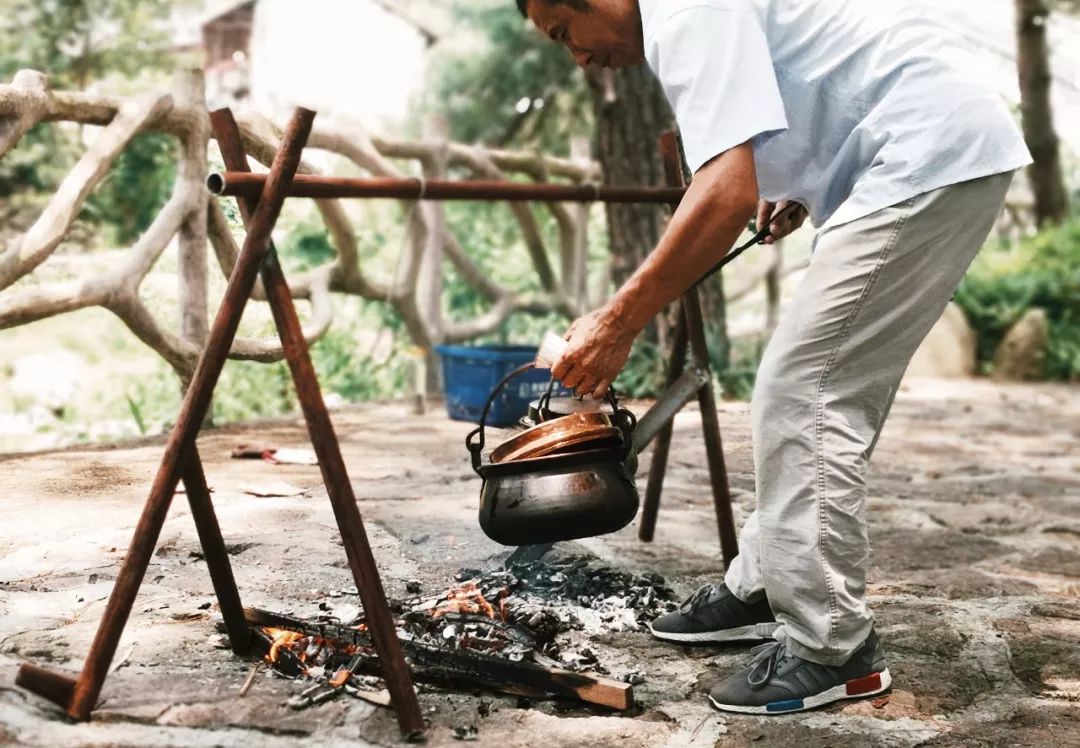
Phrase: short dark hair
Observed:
(523, 5)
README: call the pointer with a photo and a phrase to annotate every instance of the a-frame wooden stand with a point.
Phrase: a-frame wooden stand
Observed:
(181, 459)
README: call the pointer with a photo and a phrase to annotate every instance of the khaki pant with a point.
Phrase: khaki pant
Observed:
(873, 290)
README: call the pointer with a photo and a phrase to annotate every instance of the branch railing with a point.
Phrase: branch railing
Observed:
(197, 224)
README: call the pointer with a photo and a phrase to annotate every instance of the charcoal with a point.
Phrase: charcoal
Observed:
(525, 613)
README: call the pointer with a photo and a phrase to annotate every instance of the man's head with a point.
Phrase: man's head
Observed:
(597, 32)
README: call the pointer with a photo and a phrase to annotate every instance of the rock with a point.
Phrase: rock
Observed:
(1021, 355)
(949, 350)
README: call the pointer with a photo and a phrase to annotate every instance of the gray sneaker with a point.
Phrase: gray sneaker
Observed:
(714, 614)
(778, 682)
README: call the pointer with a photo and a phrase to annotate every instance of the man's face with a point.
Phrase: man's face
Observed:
(607, 33)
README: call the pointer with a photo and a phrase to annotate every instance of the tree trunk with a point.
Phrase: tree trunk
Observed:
(631, 113)
(1033, 61)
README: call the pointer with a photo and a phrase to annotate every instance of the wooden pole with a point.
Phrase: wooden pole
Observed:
(331, 463)
(196, 402)
(690, 332)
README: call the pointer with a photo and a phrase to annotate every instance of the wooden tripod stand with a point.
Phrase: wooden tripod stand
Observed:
(181, 459)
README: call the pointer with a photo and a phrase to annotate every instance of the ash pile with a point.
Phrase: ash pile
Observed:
(557, 596)
(543, 611)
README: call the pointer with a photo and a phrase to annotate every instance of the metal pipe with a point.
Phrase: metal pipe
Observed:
(692, 329)
(55, 687)
(247, 185)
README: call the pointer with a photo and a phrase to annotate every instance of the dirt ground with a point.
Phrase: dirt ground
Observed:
(975, 522)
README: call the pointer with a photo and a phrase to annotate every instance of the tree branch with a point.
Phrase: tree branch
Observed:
(322, 315)
(42, 302)
(50, 227)
(32, 88)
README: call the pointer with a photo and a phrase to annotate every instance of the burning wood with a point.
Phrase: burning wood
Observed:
(448, 667)
(280, 638)
(469, 600)
(508, 630)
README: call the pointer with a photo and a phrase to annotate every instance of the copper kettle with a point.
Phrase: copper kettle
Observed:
(564, 479)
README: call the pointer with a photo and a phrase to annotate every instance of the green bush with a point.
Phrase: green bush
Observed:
(1041, 272)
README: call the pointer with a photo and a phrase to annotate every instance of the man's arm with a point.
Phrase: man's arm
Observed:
(720, 201)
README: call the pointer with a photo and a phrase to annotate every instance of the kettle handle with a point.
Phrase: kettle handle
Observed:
(477, 448)
(624, 419)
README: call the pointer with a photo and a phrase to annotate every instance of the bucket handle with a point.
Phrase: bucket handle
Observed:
(474, 442)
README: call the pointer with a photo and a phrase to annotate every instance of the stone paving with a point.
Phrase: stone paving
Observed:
(975, 523)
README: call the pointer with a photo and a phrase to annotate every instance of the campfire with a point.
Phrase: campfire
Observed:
(512, 630)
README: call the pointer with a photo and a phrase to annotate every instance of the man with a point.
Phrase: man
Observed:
(872, 125)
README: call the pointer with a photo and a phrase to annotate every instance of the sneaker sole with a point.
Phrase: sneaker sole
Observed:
(859, 688)
(753, 632)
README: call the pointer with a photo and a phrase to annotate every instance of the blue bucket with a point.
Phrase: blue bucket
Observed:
(470, 373)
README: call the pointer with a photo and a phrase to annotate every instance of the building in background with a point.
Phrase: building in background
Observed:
(362, 60)
(226, 44)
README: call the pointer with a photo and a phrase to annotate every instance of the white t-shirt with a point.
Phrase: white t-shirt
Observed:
(849, 112)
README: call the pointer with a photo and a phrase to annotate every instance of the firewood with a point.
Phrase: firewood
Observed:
(461, 667)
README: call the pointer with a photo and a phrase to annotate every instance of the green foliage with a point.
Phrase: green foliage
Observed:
(736, 378)
(1041, 272)
(347, 370)
(306, 245)
(137, 187)
(39, 162)
(79, 41)
(734, 370)
(76, 43)
(490, 236)
(136, 414)
(517, 89)
(645, 373)
(247, 390)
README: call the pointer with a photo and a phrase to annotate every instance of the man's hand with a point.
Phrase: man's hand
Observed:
(786, 225)
(714, 211)
(599, 347)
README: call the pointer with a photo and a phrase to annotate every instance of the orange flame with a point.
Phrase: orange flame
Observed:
(280, 638)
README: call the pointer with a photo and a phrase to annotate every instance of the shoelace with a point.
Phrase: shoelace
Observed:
(766, 659)
(700, 597)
